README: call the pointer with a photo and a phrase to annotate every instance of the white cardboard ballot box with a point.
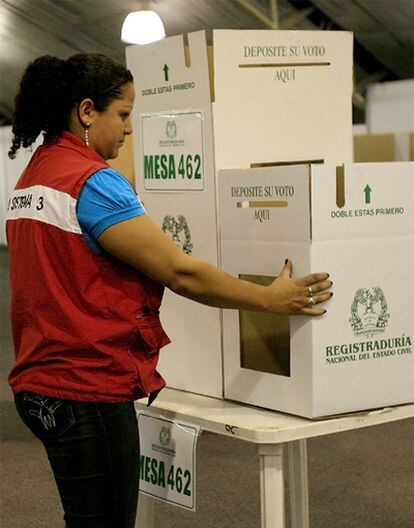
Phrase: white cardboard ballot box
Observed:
(256, 97)
(357, 223)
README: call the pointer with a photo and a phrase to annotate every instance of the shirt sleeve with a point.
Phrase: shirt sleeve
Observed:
(106, 198)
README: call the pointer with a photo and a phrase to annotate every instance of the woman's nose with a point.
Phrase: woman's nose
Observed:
(128, 127)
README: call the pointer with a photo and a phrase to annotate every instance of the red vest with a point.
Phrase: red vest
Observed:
(85, 326)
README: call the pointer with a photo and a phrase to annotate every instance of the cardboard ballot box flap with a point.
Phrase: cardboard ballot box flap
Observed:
(249, 198)
(175, 65)
(263, 63)
(378, 201)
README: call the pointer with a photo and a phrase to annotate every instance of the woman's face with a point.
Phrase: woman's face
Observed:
(108, 129)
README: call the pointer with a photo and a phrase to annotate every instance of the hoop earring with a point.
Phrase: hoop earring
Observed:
(87, 134)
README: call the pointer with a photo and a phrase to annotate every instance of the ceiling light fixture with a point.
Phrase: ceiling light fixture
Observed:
(142, 27)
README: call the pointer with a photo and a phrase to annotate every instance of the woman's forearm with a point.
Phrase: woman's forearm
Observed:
(204, 283)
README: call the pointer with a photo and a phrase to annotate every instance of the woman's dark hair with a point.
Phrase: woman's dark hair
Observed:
(50, 87)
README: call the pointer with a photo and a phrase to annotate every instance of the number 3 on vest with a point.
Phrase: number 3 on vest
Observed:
(39, 204)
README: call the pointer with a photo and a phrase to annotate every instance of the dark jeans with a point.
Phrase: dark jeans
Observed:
(93, 449)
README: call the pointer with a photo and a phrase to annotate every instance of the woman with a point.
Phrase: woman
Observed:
(88, 267)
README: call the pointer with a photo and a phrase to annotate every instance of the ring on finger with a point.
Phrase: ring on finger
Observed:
(311, 301)
(310, 291)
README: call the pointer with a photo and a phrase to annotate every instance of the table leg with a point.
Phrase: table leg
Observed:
(298, 477)
(145, 515)
(272, 491)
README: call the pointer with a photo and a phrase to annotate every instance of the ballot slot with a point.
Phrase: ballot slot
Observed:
(284, 65)
(284, 163)
(264, 338)
(260, 204)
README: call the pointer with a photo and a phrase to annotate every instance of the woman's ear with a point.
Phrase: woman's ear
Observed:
(86, 111)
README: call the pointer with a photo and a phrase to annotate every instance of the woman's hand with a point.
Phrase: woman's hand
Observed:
(300, 296)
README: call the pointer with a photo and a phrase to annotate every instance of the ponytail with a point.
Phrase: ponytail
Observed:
(50, 87)
(39, 104)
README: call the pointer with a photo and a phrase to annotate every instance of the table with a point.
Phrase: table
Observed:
(270, 431)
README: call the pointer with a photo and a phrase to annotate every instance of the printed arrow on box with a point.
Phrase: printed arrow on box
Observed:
(166, 68)
(367, 192)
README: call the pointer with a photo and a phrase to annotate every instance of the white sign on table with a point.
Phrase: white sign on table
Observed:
(173, 152)
(168, 459)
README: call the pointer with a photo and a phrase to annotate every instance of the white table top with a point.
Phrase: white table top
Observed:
(259, 425)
